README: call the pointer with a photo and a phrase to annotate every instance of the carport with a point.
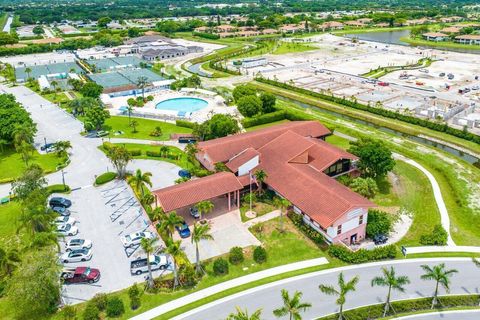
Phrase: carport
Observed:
(222, 188)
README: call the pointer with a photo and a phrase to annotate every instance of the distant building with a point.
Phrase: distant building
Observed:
(253, 62)
(468, 39)
(435, 36)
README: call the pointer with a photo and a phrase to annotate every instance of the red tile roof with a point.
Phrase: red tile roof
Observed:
(234, 163)
(194, 191)
(223, 149)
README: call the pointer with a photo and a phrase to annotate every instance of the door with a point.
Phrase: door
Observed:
(353, 238)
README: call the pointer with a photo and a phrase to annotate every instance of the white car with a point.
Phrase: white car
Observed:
(136, 237)
(65, 220)
(76, 255)
(66, 230)
(77, 243)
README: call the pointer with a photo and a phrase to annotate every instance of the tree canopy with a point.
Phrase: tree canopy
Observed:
(12, 117)
(375, 157)
(220, 125)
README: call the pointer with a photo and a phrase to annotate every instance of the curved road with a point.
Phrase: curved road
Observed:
(267, 297)
(446, 315)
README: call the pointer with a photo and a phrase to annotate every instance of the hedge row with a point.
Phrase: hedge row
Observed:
(135, 152)
(314, 235)
(184, 124)
(362, 255)
(407, 306)
(378, 111)
(105, 177)
(57, 188)
(214, 63)
(206, 35)
(264, 119)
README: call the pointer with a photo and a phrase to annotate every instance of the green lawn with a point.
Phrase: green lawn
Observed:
(338, 141)
(178, 156)
(292, 47)
(261, 208)
(440, 44)
(144, 128)
(266, 125)
(9, 214)
(13, 165)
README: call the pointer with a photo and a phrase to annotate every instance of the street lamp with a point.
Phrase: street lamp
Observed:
(63, 178)
(45, 143)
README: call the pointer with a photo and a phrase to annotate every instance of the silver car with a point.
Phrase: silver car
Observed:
(77, 255)
(136, 237)
(74, 244)
(66, 230)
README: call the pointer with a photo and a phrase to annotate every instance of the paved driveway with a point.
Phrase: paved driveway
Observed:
(227, 230)
(104, 215)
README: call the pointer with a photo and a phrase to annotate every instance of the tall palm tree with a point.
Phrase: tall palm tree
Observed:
(390, 280)
(200, 232)
(191, 149)
(173, 249)
(9, 260)
(204, 207)
(281, 204)
(440, 275)
(28, 71)
(341, 292)
(243, 315)
(291, 306)
(148, 245)
(260, 176)
(61, 147)
(142, 83)
(139, 180)
(34, 219)
(157, 214)
(54, 85)
(164, 150)
(169, 222)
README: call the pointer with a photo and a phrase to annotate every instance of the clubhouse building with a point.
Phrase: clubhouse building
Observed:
(300, 167)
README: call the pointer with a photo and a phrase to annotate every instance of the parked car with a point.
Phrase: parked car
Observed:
(183, 230)
(442, 74)
(65, 220)
(157, 262)
(60, 202)
(187, 140)
(194, 212)
(136, 237)
(61, 211)
(380, 239)
(66, 230)
(475, 87)
(80, 275)
(101, 133)
(77, 255)
(74, 244)
(47, 147)
(184, 174)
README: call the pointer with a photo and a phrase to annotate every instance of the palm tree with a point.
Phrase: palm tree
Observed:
(164, 150)
(169, 222)
(173, 249)
(291, 306)
(391, 281)
(157, 214)
(281, 204)
(200, 232)
(204, 207)
(129, 111)
(148, 245)
(9, 260)
(260, 176)
(139, 180)
(54, 85)
(28, 71)
(61, 147)
(191, 149)
(243, 315)
(142, 83)
(440, 276)
(341, 292)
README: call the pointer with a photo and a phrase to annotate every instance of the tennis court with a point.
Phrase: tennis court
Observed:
(124, 77)
(58, 69)
(108, 64)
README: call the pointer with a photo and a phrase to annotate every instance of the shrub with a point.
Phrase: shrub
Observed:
(378, 222)
(134, 295)
(264, 118)
(236, 255)
(100, 300)
(69, 312)
(366, 187)
(57, 188)
(184, 124)
(205, 35)
(115, 307)
(135, 152)
(249, 106)
(157, 132)
(150, 98)
(438, 237)
(105, 177)
(362, 255)
(154, 154)
(91, 312)
(220, 266)
(313, 234)
(259, 254)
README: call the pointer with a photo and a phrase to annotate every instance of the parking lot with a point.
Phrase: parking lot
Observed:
(105, 214)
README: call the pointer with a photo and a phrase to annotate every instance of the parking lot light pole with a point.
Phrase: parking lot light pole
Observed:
(45, 142)
(63, 178)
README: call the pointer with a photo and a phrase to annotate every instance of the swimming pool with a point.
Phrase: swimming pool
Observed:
(182, 104)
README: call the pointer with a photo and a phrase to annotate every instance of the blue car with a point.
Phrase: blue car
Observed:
(184, 174)
(183, 230)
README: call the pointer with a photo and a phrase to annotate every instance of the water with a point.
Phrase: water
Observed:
(195, 68)
(6, 28)
(458, 153)
(393, 37)
(182, 104)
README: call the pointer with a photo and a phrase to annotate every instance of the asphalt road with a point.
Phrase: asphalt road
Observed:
(267, 297)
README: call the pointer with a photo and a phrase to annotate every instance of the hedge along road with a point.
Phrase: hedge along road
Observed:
(267, 297)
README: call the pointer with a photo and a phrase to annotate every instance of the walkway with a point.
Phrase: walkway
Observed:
(265, 217)
(149, 142)
(202, 294)
(267, 297)
(446, 315)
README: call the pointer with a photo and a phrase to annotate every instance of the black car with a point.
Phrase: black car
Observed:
(194, 212)
(60, 202)
(63, 211)
(380, 239)
(184, 174)
(47, 146)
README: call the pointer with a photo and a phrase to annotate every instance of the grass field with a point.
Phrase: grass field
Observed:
(440, 44)
(9, 214)
(13, 165)
(266, 125)
(144, 128)
(292, 47)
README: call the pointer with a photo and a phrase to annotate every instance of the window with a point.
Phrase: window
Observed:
(339, 229)
(360, 220)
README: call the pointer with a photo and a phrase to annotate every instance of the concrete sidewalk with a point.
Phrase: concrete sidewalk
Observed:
(202, 294)
(441, 249)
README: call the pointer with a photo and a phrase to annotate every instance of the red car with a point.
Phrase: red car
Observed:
(383, 84)
(80, 275)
